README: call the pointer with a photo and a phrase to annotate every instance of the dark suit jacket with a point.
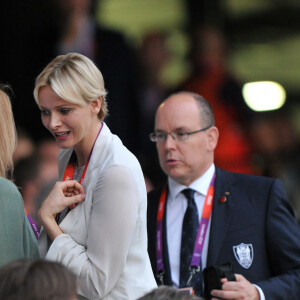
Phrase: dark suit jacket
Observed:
(257, 212)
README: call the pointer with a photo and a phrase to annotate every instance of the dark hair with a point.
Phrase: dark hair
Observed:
(168, 293)
(26, 170)
(28, 279)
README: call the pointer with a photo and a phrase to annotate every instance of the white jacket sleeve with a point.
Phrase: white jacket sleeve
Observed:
(112, 223)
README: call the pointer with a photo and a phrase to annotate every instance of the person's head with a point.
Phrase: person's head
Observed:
(48, 150)
(184, 155)
(25, 146)
(78, 6)
(153, 54)
(209, 49)
(71, 96)
(168, 293)
(36, 279)
(8, 137)
(27, 178)
(74, 78)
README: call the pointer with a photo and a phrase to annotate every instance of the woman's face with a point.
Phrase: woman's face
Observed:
(69, 123)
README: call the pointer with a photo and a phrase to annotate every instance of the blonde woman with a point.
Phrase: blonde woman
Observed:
(17, 239)
(94, 224)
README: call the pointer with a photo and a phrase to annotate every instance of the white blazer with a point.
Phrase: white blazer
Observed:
(105, 237)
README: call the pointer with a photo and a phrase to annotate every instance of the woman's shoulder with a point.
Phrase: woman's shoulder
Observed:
(9, 191)
(8, 186)
(112, 150)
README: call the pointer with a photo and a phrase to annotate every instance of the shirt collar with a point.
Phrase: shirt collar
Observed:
(200, 185)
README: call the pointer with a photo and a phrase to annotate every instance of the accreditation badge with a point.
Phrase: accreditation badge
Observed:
(244, 254)
(187, 290)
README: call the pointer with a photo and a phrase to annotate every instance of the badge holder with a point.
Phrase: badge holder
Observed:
(189, 290)
(160, 276)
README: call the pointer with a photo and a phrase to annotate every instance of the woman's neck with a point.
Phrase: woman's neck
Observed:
(84, 148)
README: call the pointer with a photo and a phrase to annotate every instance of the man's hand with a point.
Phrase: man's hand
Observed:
(63, 194)
(241, 289)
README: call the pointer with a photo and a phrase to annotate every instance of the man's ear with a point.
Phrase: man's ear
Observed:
(96, 105)
(212, 138)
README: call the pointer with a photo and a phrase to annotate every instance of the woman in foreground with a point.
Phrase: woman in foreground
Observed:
(94, 220)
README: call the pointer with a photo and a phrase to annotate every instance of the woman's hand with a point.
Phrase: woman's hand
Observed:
(63, 194)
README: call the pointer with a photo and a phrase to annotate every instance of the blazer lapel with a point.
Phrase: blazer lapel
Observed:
(153, 204)
(95, 163)
(167, 275)
(221, 214)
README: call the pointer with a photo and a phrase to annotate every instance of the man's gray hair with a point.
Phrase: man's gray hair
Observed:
(206, 111)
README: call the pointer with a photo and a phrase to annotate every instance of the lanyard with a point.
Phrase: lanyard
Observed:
(70, 169)
(206, 213)
(32, 224)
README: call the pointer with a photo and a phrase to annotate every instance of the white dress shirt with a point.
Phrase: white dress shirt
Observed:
(176, 207)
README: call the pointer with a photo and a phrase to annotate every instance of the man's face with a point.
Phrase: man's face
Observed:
(187, 160)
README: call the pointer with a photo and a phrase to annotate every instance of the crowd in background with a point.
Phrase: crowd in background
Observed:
(257, 143)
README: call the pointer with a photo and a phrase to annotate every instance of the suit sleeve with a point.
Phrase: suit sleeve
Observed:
(283, 242)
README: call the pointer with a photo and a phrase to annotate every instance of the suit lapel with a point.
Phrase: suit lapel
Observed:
(221, 215)
(153, 203)
(167, 276)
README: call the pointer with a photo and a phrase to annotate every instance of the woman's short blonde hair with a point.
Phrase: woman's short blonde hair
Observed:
(8, 136)
(74, 78)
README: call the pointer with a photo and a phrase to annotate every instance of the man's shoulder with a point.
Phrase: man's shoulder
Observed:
(156, 192)
(244, 178)
(153, 198)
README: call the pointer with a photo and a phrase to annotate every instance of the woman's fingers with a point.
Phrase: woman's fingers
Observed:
(62, 195)
(72, 185)
(74, 200)
(71, 188)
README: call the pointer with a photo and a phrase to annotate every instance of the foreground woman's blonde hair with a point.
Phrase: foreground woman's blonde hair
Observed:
(74, 78)
(8, 137)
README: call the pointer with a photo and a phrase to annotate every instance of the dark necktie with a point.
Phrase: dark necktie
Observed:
(190, 228)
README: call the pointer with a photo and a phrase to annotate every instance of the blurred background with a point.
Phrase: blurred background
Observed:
(241, 55)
